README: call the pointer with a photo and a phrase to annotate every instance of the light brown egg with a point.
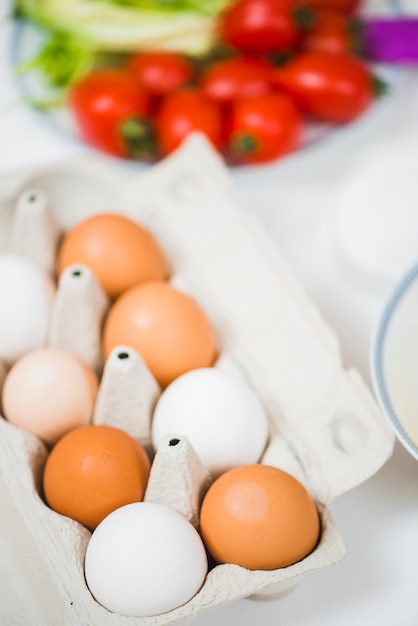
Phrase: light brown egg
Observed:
(120, 252)
(92, 471)
(259, 517)
(49, 392)
(165, 326)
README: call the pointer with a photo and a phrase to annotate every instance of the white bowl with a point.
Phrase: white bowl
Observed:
(394, 360)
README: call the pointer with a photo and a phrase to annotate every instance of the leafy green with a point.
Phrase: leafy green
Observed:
(209, 7)
(61, 60)
(79, 34)
(125, 25)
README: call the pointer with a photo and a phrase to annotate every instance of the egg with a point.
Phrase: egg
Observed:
(120, 252)
(49, 392)
(93, 470)
(259, 517)
(165, 326)
(144, 559)
(220, 415)
(27, 295)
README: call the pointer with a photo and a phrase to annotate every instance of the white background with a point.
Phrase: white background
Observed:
(344, 215)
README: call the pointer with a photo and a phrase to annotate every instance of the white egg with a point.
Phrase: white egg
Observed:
(26, 294)
(144, 559)
(221, 416)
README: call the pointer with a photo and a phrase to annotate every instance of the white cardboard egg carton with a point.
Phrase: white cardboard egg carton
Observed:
(326, 428)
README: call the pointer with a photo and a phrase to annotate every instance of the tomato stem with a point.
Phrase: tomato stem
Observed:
(380, 87)
(303, 17)
(243, 144)
(355, 29)
(138, 135)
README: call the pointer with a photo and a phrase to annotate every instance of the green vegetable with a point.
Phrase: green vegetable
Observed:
(127, 25)
(61, 60)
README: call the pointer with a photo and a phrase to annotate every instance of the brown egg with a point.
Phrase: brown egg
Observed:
(165, 326)
(118, 251)
(92, 471)
(259, 517)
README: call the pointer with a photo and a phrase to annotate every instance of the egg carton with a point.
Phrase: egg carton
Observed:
(325, 426)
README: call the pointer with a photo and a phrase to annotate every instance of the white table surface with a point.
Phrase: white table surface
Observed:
(343, 215)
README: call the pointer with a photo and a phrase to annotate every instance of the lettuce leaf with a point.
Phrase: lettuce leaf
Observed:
(126, 25)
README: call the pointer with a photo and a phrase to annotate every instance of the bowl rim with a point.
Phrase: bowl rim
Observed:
(377, 368)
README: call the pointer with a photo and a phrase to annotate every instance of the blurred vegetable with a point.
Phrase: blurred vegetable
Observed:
(329, 87)
(234, 78)
(61, 61)
(161, 72)
(265, 25)
(264, 128)
(111, 113)
(140, 75)
(346, 6)
(125, 25)
(186, 111)
(391, 40)
(334, 32)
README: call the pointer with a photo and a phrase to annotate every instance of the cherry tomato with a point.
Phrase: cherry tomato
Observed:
(329, 87)
(346, 6)
(333, 32)
(160, 72)
(186, 111)
(265, 25)
(263, 128)
(227, 80)
(103, 103)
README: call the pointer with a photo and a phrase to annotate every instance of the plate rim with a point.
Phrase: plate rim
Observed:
(377, 355)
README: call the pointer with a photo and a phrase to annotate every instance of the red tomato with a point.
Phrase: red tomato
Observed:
(265, 25)
(102, 103)
(238, 77)
(264, 128)
(184, 112)
(333, 32)
(329, 87)
(161, 72)
(346, 6)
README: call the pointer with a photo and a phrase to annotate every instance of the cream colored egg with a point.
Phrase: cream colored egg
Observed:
(49, 392)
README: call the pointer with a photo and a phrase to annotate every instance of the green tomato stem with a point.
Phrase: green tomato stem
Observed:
(243, 144)
(303, 17)
(139, 137)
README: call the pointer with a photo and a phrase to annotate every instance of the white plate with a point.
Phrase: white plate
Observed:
(394, 361)
(27, 39)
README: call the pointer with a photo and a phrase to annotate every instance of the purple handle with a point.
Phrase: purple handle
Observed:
(391, 40)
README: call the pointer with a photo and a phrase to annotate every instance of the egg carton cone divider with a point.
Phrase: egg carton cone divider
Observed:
(325, 426)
